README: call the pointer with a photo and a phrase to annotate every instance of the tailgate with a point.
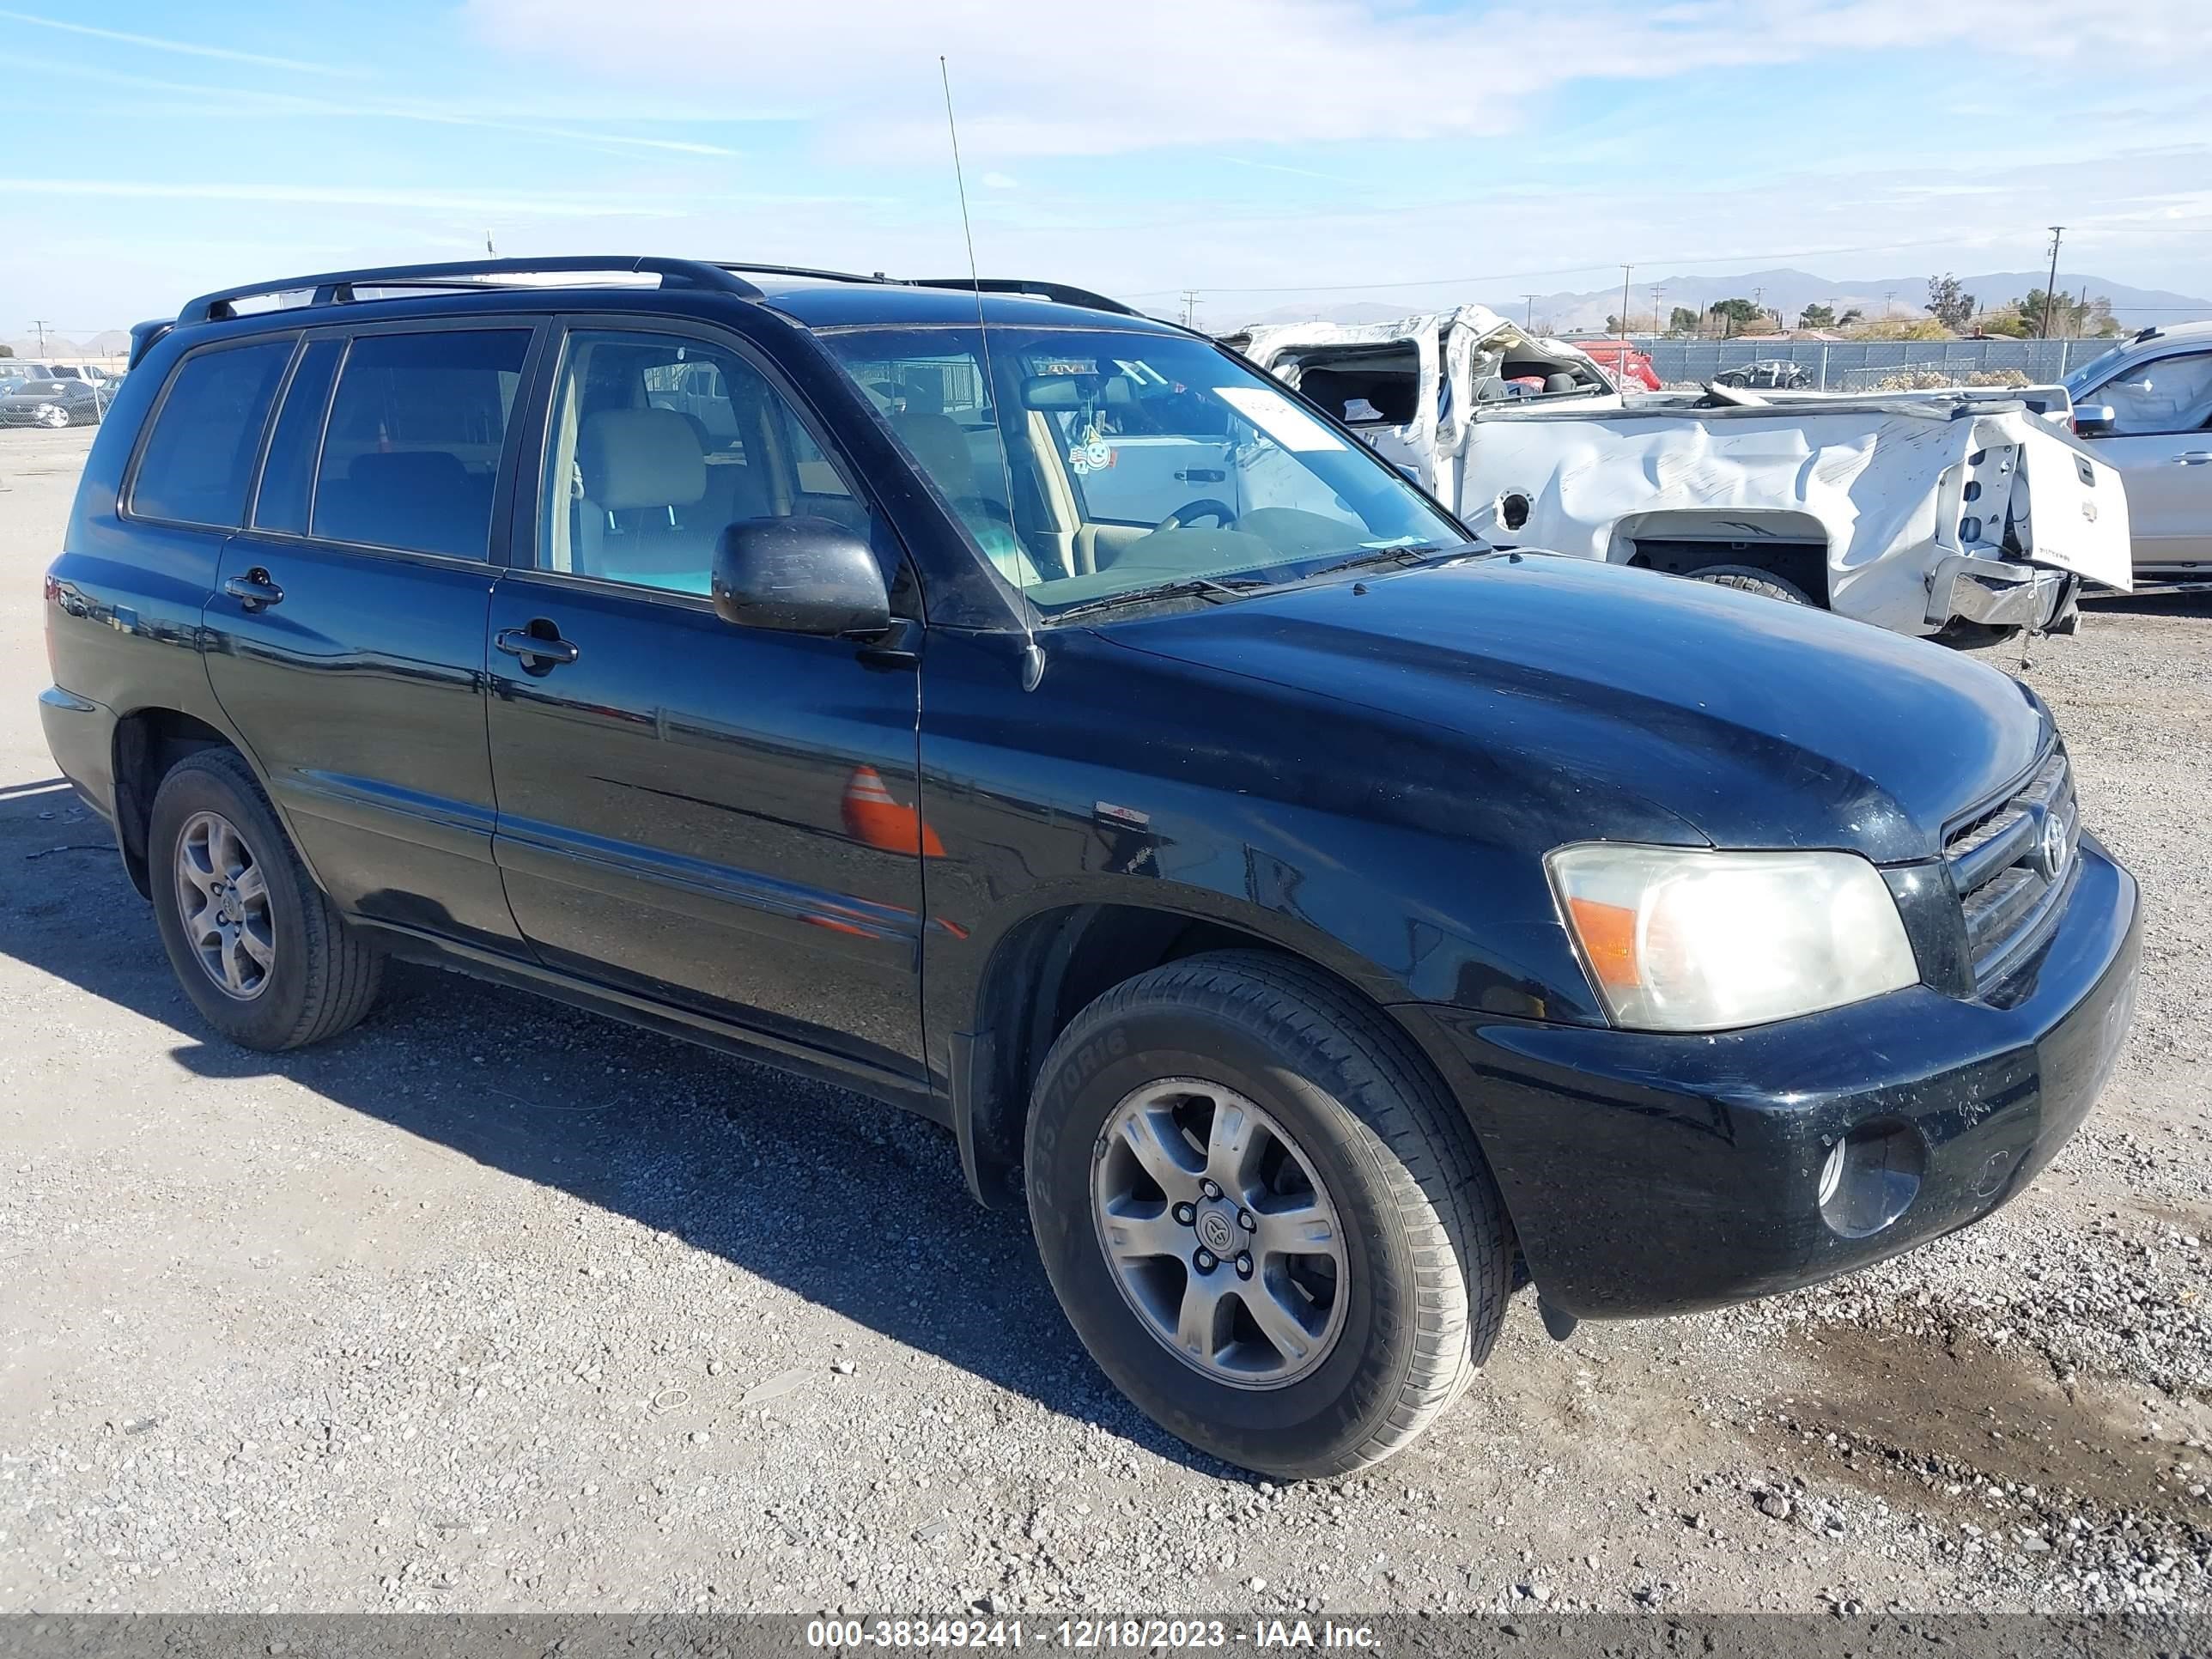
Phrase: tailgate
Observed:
(2078, 512)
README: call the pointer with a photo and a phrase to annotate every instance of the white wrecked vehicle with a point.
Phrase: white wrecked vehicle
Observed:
(1925, 512)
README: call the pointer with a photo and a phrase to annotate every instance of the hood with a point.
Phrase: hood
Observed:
(1758, 723)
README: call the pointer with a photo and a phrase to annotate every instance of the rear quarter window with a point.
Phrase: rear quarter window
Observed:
(199, 456)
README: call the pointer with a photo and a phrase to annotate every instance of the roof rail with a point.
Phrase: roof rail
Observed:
(805, 271)
(1058, 292)
(337, 287)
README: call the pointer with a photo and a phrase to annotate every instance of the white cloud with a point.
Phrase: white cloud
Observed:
(1177, 72)
(192, 48)
(320, 195)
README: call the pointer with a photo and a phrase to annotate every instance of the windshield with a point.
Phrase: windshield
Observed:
(2085, 379)
(1130, 461)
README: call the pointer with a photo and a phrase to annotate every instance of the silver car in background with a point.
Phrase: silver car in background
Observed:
(2145, 407)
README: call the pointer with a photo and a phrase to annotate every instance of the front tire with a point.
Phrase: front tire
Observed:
(1376, 1258)
(262, 953)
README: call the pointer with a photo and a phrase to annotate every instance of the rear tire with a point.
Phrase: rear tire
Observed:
(262, 953)
(1422, 1253)
(1745, 578)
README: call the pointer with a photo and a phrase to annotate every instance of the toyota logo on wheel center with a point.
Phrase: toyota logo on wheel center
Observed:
(1217, 1231)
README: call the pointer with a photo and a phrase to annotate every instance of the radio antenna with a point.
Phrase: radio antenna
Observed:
(1032, 655)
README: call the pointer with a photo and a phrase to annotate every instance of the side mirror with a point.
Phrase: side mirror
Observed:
(2093, 419)
(799, 576)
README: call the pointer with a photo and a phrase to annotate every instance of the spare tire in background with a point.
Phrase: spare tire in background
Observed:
(1747, 580)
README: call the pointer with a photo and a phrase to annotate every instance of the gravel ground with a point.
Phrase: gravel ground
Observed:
(494, 1305)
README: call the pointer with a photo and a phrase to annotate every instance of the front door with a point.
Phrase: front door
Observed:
(715, 817)
(2161, 443)
(346, 634)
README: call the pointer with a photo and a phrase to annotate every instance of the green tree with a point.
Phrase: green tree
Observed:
(1854, 315)
(1736, 314)
(1817, 316)
(1948, 303)
(7, 352)
(1683, 320)
(2071, 318)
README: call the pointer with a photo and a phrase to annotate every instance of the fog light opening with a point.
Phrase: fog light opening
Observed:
(1871, 1177)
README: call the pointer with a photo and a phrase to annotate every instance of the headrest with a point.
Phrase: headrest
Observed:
(633, 457)
(941, 446)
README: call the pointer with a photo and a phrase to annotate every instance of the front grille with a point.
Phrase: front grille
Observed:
(2011, 865)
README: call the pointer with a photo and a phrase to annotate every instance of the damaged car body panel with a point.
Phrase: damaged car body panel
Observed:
(1911, 513)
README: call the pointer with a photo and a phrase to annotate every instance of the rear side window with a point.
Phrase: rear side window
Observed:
(411, 454)
(200, 455)
(285, 476)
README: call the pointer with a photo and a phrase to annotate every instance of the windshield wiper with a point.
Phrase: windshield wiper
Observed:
(1413, 553)
(1194, 587)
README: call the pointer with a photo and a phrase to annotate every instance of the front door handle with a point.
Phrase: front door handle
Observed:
(538, 651)
(2194, 458)
(254, 590)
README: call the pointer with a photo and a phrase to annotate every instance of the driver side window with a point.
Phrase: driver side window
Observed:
(660, 441)
(2168, 394)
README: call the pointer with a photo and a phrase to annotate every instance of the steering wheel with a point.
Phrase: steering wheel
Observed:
(1204, 507)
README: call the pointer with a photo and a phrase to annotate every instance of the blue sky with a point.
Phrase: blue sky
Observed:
(1263, 152)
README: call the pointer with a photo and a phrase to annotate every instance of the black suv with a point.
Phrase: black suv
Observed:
(1027, 713)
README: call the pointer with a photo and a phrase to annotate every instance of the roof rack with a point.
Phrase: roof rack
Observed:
(337, 287)
(1058, 292)
(807, 270)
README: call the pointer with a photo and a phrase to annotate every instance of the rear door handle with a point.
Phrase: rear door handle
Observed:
(536, 651)
(254, 590)
(2194, 457)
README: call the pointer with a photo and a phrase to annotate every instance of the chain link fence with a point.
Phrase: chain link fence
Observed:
(1878, 364)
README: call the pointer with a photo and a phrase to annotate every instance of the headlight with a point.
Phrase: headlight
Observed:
(1676, 939)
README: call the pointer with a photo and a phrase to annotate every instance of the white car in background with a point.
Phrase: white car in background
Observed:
(2145, 407)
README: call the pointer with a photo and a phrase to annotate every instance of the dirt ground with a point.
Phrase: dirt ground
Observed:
(494, 1305)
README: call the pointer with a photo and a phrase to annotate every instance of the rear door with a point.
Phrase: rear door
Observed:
(2161, 444)
(717, 817)
(346, 634)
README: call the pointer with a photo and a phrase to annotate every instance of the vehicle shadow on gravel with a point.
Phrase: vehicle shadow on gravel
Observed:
(858, 1207)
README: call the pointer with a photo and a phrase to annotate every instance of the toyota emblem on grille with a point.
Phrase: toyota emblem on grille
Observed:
(2051, 846)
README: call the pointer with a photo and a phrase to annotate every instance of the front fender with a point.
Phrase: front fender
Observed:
(1346, 837)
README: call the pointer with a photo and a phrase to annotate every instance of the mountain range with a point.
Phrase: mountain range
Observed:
(108, 343)
(1785, 290)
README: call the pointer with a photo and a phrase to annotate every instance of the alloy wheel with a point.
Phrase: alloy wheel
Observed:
(1223, 1240)
(222, 898)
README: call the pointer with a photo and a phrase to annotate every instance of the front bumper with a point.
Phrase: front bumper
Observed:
(2000, 594)
(1652, 1175)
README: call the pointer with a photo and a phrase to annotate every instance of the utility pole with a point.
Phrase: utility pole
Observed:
(1889, 304)
(1658, 318)
(1625, 270)
(42, 326)
(489, 250)
(1759, 302)
(2049, 295)
(1189, 306)
(1529, 322)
